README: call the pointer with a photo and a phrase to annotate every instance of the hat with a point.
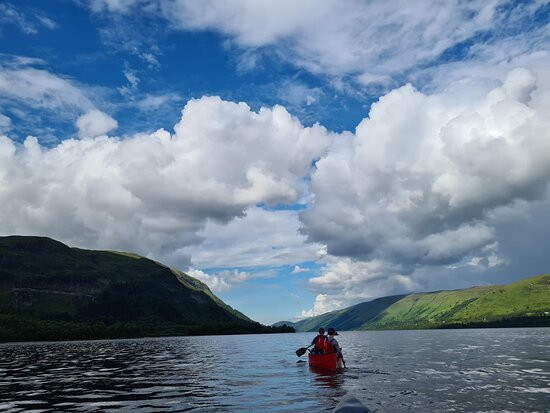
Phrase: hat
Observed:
(332, 332)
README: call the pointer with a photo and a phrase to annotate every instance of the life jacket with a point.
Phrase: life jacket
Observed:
(329, 348)
(320, 342)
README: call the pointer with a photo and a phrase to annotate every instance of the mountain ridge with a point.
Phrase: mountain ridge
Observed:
(50, 291)
(523, 303)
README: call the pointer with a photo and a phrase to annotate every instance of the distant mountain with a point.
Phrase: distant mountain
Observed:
(283, 323)
(49, 291)
(523, 303)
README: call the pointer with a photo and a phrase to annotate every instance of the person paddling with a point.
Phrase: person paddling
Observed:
(331, 345)
(319, 342)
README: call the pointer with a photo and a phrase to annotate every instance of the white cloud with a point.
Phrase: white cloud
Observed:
(5, 123)
(41, 89)
(9, 14)
(527, 48)
(367, 78)
(153, 194)
(216, 284)
(153, 102)
(297, 269)
(226, 279)
(447, 245)
(95, 123)
(297, 95)
(131, 77)
(133, 82)
(113, 5)
(420, 187)
(39, 99)
(373, 44)
(28, 22)
(340, 37)
(151, 59)
(422, 169)
(423, 182)
(372, 40)
(346, 281)
(259, 238)
(323, 304)
(346, 273)
(47, 22)
(488, 257)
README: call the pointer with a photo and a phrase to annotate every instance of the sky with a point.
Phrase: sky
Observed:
(297, 157)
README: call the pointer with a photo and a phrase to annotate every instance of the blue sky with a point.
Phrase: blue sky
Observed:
(327, 153)
(100, 50)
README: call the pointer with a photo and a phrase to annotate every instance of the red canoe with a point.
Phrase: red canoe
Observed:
(328, 361)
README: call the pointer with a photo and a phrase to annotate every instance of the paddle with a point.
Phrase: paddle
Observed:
(300, 352)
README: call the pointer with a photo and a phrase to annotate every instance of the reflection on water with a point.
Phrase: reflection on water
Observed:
(466, 370)
(324, 378)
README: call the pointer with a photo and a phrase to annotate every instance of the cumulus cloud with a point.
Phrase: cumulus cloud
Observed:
(346, 281)
(421, 189)
(358, 290)
(423, 179)
(323, 304)
(227, 279)
(257, 239)
(154, 193)
(347, 274)
(422, 167)
(220, 281)
(95, 123)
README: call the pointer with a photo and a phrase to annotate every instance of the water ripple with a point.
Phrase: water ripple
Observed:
(460, 371)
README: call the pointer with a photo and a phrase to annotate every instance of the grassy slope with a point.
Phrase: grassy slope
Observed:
(520, 303)
(349, 318)
(54, 288)
(528, 297)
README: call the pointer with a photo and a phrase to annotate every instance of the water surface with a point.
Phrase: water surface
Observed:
(391, 371)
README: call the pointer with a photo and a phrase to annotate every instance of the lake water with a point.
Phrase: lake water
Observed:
(390, 371)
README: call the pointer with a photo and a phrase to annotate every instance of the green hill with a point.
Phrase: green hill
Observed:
(523, 303)
(349, 318)
(49, 291)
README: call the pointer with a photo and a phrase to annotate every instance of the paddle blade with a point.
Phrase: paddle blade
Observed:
(301, 351)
